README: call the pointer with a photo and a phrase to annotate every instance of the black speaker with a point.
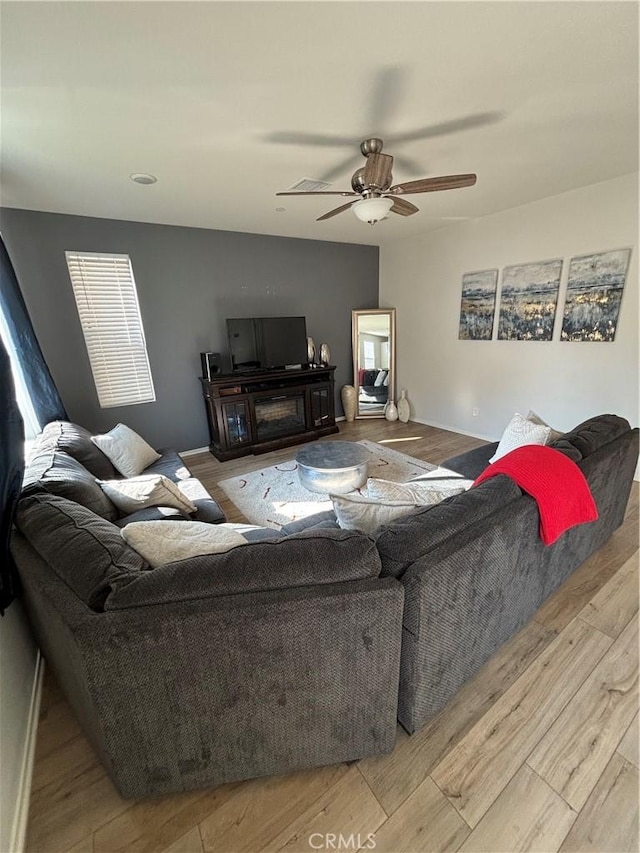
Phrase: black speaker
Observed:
(211, 363)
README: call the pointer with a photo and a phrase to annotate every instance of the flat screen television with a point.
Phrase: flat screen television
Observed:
(264, 343)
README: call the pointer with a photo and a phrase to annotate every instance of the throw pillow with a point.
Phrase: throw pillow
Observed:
(357, 512)
(160, 542)
(382, 375)
(146, 490)
(128, 452)
(422, 492)
(554, 435)
(519, 432)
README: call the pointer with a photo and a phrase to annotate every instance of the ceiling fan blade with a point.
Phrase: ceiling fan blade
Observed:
(407, 164)
(403, 207)
(335, 211)
(337, 192)
(342, 168)
(445, 127)
(430, 185)
(377, 171)
(293, 137)
(384, 97)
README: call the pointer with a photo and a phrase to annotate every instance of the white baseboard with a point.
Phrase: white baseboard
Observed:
(21, 815)
(454, 429)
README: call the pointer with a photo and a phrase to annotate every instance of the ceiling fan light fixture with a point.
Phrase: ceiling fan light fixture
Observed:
(372, 210)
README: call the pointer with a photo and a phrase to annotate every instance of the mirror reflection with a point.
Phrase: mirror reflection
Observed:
(373, 360)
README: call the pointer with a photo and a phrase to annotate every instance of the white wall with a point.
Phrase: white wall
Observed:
(18, 659)
(564, 382)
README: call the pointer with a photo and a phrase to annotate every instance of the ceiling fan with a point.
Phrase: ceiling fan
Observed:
(377, 196)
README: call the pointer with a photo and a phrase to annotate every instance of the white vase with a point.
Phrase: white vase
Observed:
(325, 354)
(403, 407)
(311, 351)
(391, 411)
(348, 397)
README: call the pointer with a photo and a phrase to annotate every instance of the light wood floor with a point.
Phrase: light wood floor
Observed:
(538, 752)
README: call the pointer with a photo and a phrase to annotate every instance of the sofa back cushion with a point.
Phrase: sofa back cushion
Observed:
(76, 441)
(593, 433)
(411, 537)
(85, 551)
(303, 559)
(60, 474)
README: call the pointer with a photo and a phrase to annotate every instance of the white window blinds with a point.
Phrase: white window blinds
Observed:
(105, 293)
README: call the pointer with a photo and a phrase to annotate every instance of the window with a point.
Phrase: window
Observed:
(369, 355)
(107, 302)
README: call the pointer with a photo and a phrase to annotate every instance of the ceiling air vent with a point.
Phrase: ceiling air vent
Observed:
(309, 185)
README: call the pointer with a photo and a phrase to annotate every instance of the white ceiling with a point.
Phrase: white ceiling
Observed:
(192, 91)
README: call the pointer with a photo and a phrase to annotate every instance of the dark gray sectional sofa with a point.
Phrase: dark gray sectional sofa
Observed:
(298, 650)
(272, 657)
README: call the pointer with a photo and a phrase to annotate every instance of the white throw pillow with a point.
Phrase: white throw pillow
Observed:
(382, 375)
(536, 419)
(422, 492)
(356, 512)
(128, 452)
(146, 490)
(520, 431)
(162, 542)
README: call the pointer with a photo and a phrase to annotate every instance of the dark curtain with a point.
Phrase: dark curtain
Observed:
(40, 385)
(11, 471)
(46, 402)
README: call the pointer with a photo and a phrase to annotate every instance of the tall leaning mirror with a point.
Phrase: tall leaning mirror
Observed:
(373, 333)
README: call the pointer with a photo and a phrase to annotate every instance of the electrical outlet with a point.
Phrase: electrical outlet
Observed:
(475, 412)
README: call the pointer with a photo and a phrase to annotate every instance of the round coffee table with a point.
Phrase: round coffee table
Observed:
(334, 467)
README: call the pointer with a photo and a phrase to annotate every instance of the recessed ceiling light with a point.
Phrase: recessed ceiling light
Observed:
(280, 209)
(142, 178)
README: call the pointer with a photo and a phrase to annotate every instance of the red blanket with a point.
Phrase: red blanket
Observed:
(561, 491)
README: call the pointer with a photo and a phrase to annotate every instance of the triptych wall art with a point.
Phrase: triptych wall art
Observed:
(529, 299)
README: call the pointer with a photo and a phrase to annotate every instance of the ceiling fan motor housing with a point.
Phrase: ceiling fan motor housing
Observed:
(371, 146)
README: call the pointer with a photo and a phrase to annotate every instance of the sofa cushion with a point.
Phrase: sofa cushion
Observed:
(170, 464)
(593, 433)
(60, 474)
(472, 463)
(564, 445)
(160, 542)
(305, 559)
(128, 452)
(76, 441)
(85, 551)
(206, 508)
(407, 539)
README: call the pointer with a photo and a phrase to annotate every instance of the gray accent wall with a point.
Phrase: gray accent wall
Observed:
(189, 280)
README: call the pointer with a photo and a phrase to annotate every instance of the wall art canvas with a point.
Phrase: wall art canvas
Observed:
(478, 305)
(594, 293)
(528, 301)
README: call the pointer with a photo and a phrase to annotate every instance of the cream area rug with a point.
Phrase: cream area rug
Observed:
(273, 496)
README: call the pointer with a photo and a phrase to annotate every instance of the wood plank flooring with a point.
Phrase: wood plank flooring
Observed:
(539, 751)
